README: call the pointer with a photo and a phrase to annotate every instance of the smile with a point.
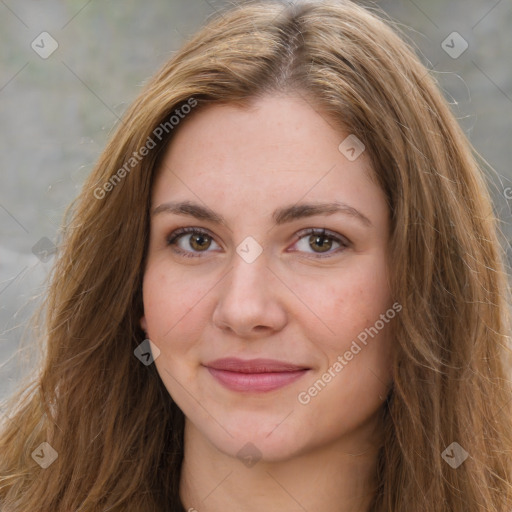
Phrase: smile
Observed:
(256, 375)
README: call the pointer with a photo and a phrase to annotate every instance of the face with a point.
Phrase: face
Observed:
(259, 306)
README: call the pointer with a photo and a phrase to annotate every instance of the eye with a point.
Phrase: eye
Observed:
(199, 240)
(321, 239)
(191, 241)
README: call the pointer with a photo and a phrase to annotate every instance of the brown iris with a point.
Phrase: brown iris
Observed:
(200, 241)
(320, 239)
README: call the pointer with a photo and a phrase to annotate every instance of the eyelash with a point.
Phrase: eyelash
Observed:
(344, 243)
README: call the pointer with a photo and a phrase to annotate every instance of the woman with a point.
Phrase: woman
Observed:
(280, 289)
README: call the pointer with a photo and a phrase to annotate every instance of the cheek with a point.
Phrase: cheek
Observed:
(356, 373)
(346, 302)
(173, 304)
(174, 308)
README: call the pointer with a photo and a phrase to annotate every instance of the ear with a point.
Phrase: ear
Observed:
(144, 324)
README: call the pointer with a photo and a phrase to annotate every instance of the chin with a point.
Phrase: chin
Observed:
(262, 448)
(270, 441)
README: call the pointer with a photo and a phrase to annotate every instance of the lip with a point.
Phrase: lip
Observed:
(233, 364)
(254, 375)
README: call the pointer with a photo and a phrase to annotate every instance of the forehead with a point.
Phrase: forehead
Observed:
(280, 149)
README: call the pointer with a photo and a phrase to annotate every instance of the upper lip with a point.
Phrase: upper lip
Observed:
(234, 364)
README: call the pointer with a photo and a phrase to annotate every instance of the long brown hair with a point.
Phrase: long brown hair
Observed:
(116, 430)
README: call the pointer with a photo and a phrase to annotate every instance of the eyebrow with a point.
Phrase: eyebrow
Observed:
(280, 215)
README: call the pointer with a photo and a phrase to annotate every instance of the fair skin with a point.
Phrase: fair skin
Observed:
(303, 300)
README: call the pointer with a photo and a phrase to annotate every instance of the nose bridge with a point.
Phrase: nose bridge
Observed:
(249, 269)
(247, 301)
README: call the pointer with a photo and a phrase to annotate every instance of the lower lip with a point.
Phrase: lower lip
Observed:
(255, 382)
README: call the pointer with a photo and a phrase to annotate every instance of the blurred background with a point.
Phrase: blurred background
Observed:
(69, 69)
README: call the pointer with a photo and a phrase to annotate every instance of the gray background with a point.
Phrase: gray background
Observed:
(57, 113)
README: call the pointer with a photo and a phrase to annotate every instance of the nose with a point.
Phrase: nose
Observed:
(250, 303)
